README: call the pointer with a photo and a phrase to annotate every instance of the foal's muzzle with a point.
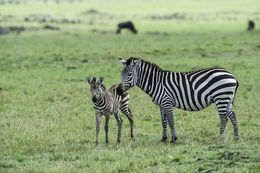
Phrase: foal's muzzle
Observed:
(94, 99)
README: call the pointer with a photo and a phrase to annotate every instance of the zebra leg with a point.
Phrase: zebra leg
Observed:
(119, 124)
(225, 111)
(164, 125)
(128, 113)
(223, 123)
(223, 115)
(169, 114)
(224, 106)
(106, 127)
(98, 121)
(233, 118)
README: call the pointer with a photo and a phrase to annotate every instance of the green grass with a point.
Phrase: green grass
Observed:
(47, 121)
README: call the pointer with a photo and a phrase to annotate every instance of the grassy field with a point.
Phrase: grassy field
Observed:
(47, 121)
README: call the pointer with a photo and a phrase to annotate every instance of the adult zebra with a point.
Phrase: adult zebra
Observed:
(192, 91)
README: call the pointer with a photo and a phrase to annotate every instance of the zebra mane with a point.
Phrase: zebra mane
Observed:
(128, 61)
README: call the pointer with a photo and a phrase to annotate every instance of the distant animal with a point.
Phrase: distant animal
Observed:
(251, 25)
(126, 25)
(51, 27)
(107, 102)
(192, 91)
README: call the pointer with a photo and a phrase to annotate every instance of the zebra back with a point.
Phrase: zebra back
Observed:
(121, 96)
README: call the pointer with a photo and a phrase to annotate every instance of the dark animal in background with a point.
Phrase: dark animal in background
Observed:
(251, 25)
(51, 27)
(126, 25)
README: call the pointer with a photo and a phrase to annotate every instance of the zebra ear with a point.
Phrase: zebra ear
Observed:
(88, 79)
(100, 80)
(122, 61)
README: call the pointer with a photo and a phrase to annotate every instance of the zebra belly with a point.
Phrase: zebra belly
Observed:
(194, 109)
(192, 103)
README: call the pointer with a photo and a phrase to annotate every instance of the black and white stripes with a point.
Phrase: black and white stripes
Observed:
(192, 91)
(107, 102)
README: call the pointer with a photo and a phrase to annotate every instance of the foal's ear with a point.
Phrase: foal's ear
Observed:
(100, 80)
(122, 61)
(88, 79)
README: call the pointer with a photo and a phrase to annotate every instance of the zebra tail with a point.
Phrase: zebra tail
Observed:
(233, 101)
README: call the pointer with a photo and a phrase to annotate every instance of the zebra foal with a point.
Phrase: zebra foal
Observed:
(192, 91)
(107, 102)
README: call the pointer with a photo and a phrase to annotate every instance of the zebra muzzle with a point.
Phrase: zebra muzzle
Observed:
(94, 99)
(120, 89)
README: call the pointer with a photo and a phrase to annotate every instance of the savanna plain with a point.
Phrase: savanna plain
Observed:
(47, 121)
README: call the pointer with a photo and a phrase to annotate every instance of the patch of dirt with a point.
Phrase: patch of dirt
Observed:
(5, 18)
(6, 30)
(74, 80)
(71, 67)
(157, 33)
(174, 16)
(91, 12)
(19, 29)
(49, 27)
(47, 18)
(101, 31)
(84, 61)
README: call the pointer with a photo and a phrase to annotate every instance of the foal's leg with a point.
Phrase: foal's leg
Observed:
(106, 127)
(119, 124)
(98, 121)
(128, 113)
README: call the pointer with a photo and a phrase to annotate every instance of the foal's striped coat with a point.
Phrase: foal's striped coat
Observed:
(107, 102)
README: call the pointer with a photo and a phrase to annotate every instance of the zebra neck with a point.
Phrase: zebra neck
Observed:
(101, 100)
(149, 77)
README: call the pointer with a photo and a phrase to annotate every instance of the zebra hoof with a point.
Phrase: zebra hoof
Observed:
(237, 138)
(164, 138)
(97, 143)
(174, 139)
(220, 138)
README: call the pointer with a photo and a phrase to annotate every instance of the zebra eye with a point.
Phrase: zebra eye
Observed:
(129, 74)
